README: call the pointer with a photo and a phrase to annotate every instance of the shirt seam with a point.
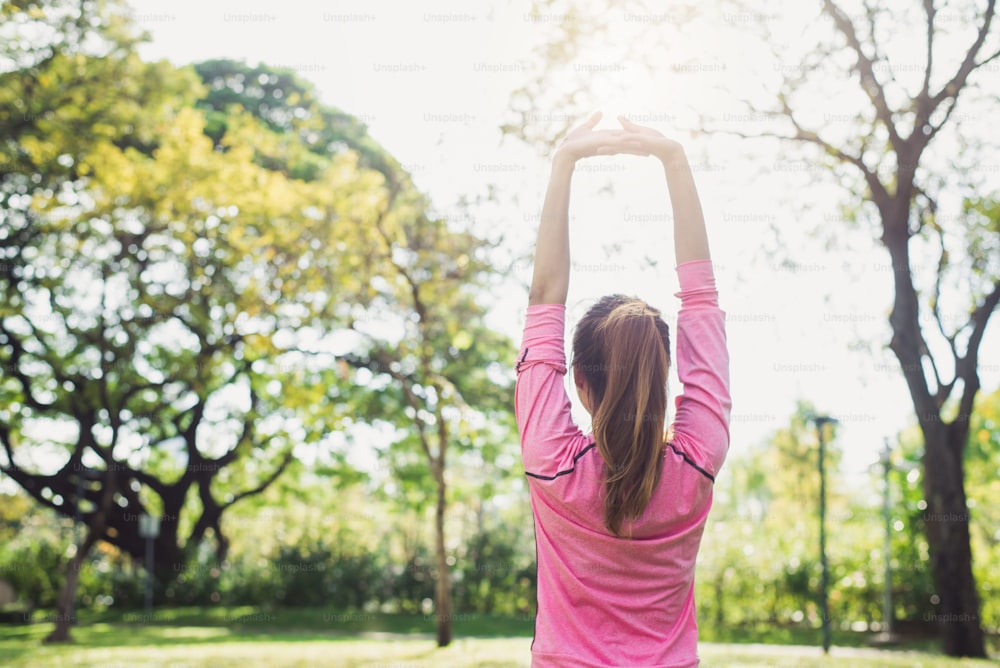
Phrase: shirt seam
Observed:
(517, 369)
(690, 461)
(569, 470)
(590, 447)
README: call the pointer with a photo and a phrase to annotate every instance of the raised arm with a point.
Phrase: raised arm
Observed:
(701, 421)
(550, 280)
(690, 238)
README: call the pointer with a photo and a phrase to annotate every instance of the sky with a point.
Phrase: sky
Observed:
(433, 81)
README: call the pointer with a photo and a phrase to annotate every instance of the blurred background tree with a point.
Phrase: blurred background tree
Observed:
(176, 255)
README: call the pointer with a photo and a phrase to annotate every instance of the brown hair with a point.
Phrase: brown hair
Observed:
(621, 348)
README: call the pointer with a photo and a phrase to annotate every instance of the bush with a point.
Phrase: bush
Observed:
(494, 576)
(36, 570)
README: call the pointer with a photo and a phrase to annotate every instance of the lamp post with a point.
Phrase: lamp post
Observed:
(821, 421)
(149, 528)
(887, 613)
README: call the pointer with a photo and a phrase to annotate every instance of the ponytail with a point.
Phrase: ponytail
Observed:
(621, 347)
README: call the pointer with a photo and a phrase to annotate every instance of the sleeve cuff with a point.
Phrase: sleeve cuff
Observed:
(546, 308)
(696, 276)
(544, 329)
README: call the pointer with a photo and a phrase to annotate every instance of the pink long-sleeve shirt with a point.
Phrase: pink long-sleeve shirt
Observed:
(604, 600)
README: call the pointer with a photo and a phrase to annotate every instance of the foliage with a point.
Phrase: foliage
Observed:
(316, 544)
(982, 466)
(496, 576)
(759, 562)
(181, 262)
(139, 262)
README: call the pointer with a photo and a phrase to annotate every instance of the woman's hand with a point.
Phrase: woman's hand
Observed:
(585, 142)
(690, 238)
(653, 142)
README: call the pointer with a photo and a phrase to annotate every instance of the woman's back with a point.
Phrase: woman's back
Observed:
(605, 599)
(609, 601)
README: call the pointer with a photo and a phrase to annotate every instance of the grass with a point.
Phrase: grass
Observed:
(246, 637)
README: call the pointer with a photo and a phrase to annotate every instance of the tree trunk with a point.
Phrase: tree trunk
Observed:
(67, 595)
(720, 604)
(946, 518)
(946, 522)
(442, 593)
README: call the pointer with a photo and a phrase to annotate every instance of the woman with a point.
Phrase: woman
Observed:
(619, 513)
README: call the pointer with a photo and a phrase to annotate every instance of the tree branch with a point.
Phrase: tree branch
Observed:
(418, 305)
(923, 96)
(148, 480)
(133, 390)
(865, 66)
(263, 485)
(412, 400)
(979, 319)
(957, 82)
(209, 510)
(935, 300)
(14, 369)
(32, 483)
(994, 56)
(421, 312)
(245, 435)
(879, 193)
(907, 339)
(189, 432)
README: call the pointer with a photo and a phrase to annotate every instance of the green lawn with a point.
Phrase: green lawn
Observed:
(246, 637)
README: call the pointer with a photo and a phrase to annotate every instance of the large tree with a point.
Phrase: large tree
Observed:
(898, 75)
(942, 380)
(181, 259)
(156, 250)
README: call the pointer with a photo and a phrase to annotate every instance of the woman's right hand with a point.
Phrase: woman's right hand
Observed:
(585, 142)
(653, 142)
(690, 238)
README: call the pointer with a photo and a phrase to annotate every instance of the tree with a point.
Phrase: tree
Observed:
(170, 257)
(438, 374)
(887, 158)
(51, 124)
(906, 200)
(151, 267)
(426, 363)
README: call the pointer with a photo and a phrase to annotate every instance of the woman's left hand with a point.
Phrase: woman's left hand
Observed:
(585, 142)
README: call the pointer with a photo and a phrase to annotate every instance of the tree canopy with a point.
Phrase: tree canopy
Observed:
(183, 261)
